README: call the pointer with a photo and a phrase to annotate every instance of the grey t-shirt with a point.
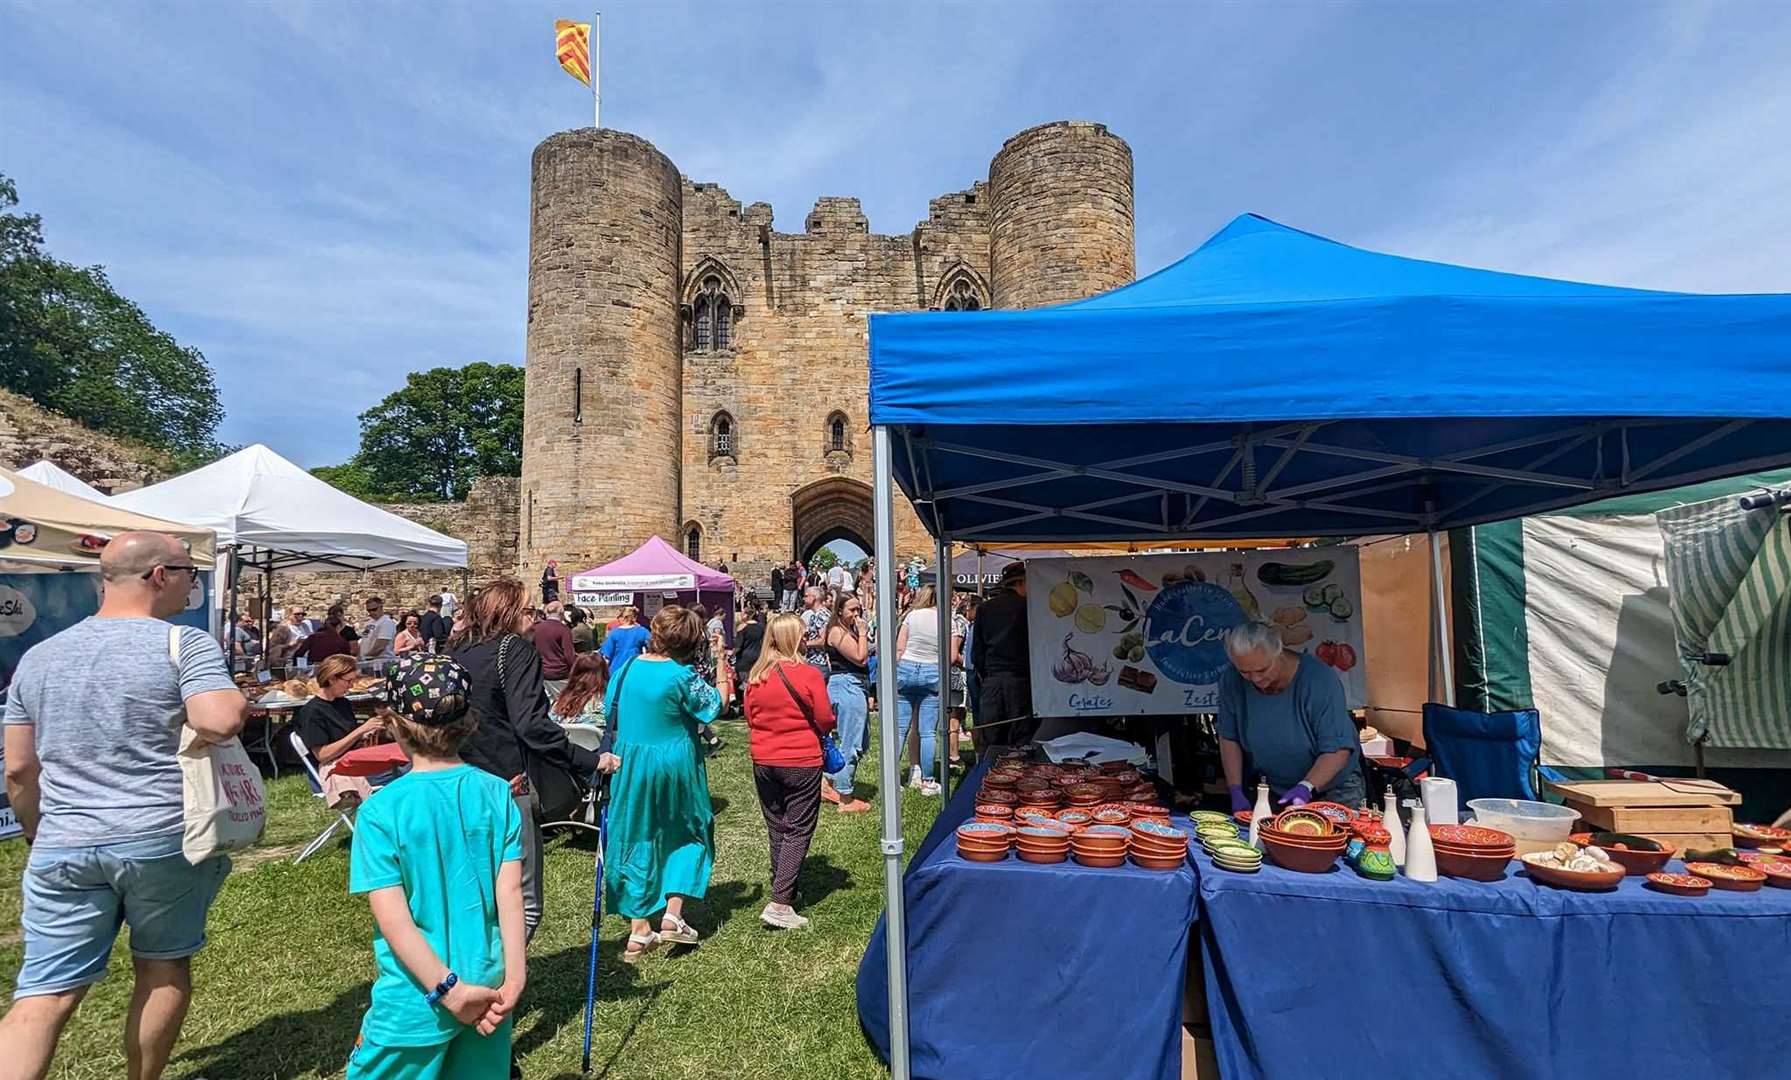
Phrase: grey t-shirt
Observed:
(107, 705)
(1285, 733)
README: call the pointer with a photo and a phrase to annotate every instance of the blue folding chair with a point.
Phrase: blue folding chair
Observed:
(1488, 755)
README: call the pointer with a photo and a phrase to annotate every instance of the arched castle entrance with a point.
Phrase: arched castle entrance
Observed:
(836, 508)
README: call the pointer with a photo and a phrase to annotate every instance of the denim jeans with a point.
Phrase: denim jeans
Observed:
(917, 684)
(852, 712)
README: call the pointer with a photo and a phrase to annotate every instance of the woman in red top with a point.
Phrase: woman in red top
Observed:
(787, 711)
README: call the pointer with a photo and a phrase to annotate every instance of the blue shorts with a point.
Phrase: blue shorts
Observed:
(77, 898)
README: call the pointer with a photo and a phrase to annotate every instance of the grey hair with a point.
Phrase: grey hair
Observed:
(1249, 637)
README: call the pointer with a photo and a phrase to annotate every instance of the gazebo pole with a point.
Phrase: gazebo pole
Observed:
(230, 620)
(942, 597)
(1439, 617)
(889, 791)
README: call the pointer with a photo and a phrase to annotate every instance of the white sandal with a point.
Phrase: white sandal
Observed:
(639, 946)
(680, 934)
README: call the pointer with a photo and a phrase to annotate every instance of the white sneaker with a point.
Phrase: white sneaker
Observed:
(914, 776)
(781, 919)
(929, 786)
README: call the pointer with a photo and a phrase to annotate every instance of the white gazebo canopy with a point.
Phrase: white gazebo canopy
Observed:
(279, 517)
(52, 475)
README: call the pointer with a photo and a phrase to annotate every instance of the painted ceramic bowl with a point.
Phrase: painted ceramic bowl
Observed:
(1303, 822)
(1577, 880)
(1731, 878)
(1678, 884)
(1473, 837)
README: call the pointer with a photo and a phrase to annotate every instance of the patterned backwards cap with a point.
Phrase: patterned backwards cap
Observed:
(428, 690)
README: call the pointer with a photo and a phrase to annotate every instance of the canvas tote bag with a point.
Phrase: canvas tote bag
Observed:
(224, 806)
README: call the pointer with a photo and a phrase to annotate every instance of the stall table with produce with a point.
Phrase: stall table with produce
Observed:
(1065, 968)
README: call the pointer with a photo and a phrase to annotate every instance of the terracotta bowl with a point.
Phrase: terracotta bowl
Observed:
(986, 831)
(1635, 863)
(1582, 881)
(983, 847)
(1778, 873)
(1092, 859)
(1155, 850)
(1335, 843)
(1043, 856)
(998, 796)
(979, 855)
(1471, 837)
(1075, 817)
(1305, 860)
(1112, 815)
(1472, 867)
(1730, 878)
(1152, 862)
(1104, 836)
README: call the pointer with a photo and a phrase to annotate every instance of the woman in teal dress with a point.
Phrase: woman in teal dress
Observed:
(660, 845)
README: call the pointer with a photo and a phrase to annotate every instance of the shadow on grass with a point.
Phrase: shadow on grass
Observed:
(819, 879)
(616, 981)
(288, 1044)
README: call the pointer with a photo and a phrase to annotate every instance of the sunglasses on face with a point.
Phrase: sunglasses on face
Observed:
(168, 569)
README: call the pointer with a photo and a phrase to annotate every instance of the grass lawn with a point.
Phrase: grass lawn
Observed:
(280, 989)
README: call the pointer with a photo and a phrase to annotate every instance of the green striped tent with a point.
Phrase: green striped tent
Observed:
(1729, 580)
(1570, 613)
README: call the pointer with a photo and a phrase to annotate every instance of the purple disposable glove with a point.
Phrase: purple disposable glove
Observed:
(1239, 801)
(1298, 795)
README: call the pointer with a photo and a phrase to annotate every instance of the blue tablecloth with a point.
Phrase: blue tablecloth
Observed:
(1335, 976)
(1017, 969)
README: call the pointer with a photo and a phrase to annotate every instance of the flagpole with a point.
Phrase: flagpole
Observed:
(596, 55)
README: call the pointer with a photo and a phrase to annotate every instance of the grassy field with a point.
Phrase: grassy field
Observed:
(280, 989)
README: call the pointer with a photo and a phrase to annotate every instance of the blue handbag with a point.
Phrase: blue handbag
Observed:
(832, 759)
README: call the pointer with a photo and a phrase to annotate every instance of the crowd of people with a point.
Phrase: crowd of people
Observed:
(484, 698)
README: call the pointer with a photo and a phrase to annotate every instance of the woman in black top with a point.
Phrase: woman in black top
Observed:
(515, 727)
(848, 647)
(327, 726)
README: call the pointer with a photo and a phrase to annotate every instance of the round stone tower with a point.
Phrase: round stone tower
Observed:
(1060, 214)
(603, 399)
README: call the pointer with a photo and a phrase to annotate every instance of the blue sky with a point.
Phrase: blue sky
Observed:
(322, 195)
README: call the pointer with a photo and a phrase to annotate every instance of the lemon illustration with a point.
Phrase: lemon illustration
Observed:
(1091, 618)
(1063, 599)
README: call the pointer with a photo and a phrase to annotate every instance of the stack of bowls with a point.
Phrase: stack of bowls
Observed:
(1147, 808)
(1074, 819)
(1215, 831)
(997, 812)
(1101, 845)
(1309, 848)
(1085, 795)
(1157, 845)
(1234, 855)
(1110, 814)
(1004, 796)
(984, 841)
(1210, 817)
(1472, 851)
(1042, 845)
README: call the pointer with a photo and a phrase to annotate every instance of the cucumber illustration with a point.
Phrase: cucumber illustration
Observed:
(1342, 609)
(1285, 574)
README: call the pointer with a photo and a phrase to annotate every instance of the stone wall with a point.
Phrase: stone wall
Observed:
(31, 433)
(1061, 221)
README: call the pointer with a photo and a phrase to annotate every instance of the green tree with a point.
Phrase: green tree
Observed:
(430, 440)
(352, 477)
(71, 343)
(824, 560)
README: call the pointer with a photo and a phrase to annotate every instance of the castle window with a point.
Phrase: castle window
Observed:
(712, 316)
(578, 395)
(721, 436)
(962, 297)
(961, 289)
(836, 433)
(693, 541)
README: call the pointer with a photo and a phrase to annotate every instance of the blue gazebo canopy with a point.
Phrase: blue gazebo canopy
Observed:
(1276, 383)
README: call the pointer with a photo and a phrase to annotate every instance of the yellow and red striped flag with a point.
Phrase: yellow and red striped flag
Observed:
(572, 44)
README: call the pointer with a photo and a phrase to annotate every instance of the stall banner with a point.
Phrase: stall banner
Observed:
(36, 606)
(603, 599)
(633, 583)
(1144, 634)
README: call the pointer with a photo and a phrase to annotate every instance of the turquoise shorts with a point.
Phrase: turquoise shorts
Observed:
(77, 898)
(467, 1056)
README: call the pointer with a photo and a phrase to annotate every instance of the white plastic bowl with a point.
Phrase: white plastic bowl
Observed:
(1524, 819)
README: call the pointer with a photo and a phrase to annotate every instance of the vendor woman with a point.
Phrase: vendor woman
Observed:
(1282, 715)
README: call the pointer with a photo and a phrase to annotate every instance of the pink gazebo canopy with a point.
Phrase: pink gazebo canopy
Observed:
(653, 562)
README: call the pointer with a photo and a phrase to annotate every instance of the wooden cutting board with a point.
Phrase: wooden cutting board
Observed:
(1687, 792)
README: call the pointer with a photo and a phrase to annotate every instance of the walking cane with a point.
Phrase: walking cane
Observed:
(596, 919)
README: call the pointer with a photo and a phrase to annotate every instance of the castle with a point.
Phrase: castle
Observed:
(693, 372)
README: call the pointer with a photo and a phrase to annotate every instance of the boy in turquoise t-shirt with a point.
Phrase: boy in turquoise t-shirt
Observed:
(438, 852)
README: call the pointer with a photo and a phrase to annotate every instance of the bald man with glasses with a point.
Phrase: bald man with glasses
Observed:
(93, 719)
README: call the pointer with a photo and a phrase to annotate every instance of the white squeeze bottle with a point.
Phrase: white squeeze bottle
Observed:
(1259, 815)
(1395, 836)
(1420, 856)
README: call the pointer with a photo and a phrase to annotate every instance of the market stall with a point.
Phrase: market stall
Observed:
(52, 475)
(652, 575)
(1278, 383)
(270, 515)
